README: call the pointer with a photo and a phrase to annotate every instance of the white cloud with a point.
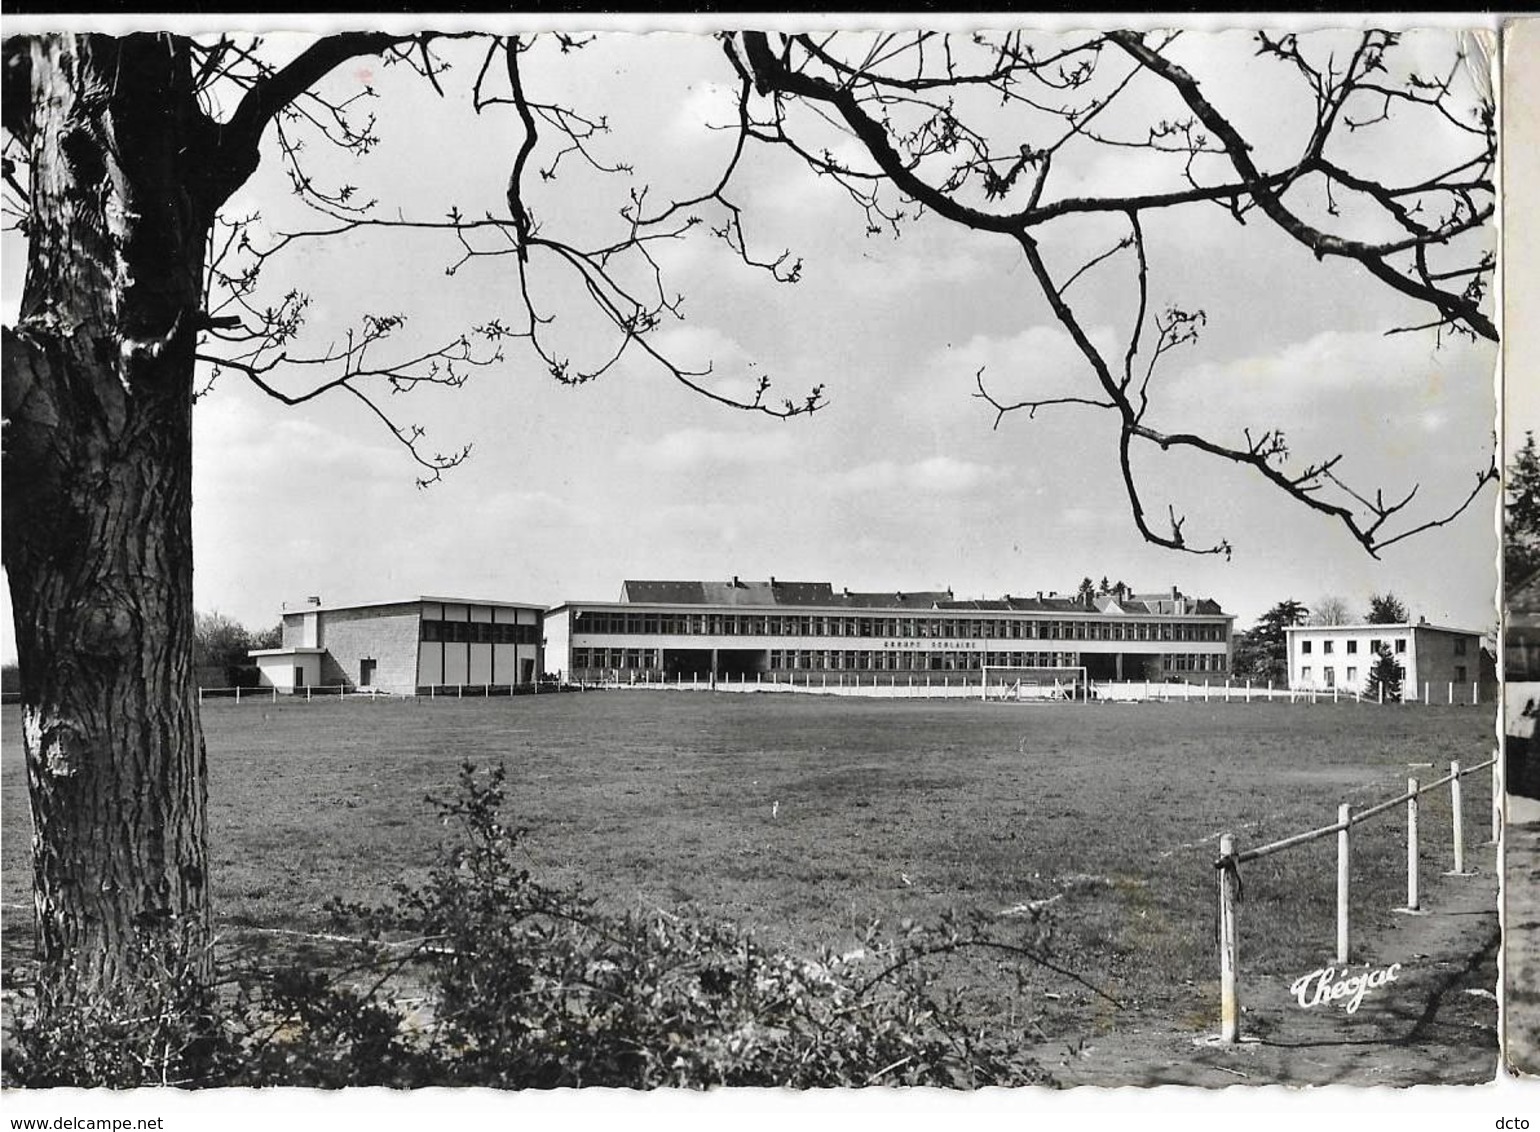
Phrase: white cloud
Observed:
(694, 347)
(1399, 378)
(1039, 362)
(696, 448)
(708, 106)
(935, 475)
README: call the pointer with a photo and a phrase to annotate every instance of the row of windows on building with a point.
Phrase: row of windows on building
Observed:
(876, 660)
(935, 628)
(1328, 646)
(1329, 675)
(480, 632)
(881, 660)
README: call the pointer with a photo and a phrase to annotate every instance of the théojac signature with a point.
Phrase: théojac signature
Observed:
(1327, 984)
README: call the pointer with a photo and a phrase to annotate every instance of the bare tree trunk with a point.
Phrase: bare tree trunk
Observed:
(98, 379)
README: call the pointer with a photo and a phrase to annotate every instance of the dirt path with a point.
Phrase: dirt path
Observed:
(1436, 1024)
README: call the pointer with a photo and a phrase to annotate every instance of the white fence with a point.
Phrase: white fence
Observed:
(378, 692)
(1229, 863)
(960, 685)
(955, 686)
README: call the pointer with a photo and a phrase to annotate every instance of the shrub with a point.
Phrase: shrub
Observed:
(157, 1025)
(482, 975)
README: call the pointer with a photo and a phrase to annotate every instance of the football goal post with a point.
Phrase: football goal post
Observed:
(1059, 682)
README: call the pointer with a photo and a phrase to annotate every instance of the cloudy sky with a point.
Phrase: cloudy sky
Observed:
(903, 481)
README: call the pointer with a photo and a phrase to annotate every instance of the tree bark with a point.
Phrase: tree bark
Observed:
(97, 498)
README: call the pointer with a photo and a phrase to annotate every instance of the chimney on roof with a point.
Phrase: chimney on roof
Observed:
(1039, 595)
(899, 595)
(736, 583)
(1175, 593)
(772, 579)
(314, 599)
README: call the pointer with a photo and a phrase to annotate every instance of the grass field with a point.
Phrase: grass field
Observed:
(805, 817)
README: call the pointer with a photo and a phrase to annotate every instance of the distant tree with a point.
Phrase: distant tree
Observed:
(1087, 591)
(1252, 656)
(269, 638)
(1386, 609)
(1521, 524)
(1260, 653)
(220, 645)
(1104, 587)
(1384, 673)
(1330, 610)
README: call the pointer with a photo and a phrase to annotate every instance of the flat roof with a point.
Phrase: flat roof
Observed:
(1396, 626)
(306, 650)
(332, 607)
(1017, 605)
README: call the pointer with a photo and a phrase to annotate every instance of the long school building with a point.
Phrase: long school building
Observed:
(669, 630)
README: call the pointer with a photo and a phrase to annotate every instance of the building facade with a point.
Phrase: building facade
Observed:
(667, 630)
(406, 645)
(1438, 664)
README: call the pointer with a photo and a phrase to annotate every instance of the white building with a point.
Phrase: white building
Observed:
(1438, 664)
(403, 646)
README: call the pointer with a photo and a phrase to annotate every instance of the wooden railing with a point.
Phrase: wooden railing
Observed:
(1229, 862)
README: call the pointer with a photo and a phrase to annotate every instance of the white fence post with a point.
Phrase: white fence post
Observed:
(1248, 689)
(1458, 817)
(1343, 879)
(200, 696)
(1411, 845)
(1229, 1007)
(1427, 691)
(307, 693)
(237, 695)
(1451, 692)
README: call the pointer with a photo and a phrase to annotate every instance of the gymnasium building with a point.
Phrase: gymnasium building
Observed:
(1438, 664)
(735, 630)
(401, 646)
